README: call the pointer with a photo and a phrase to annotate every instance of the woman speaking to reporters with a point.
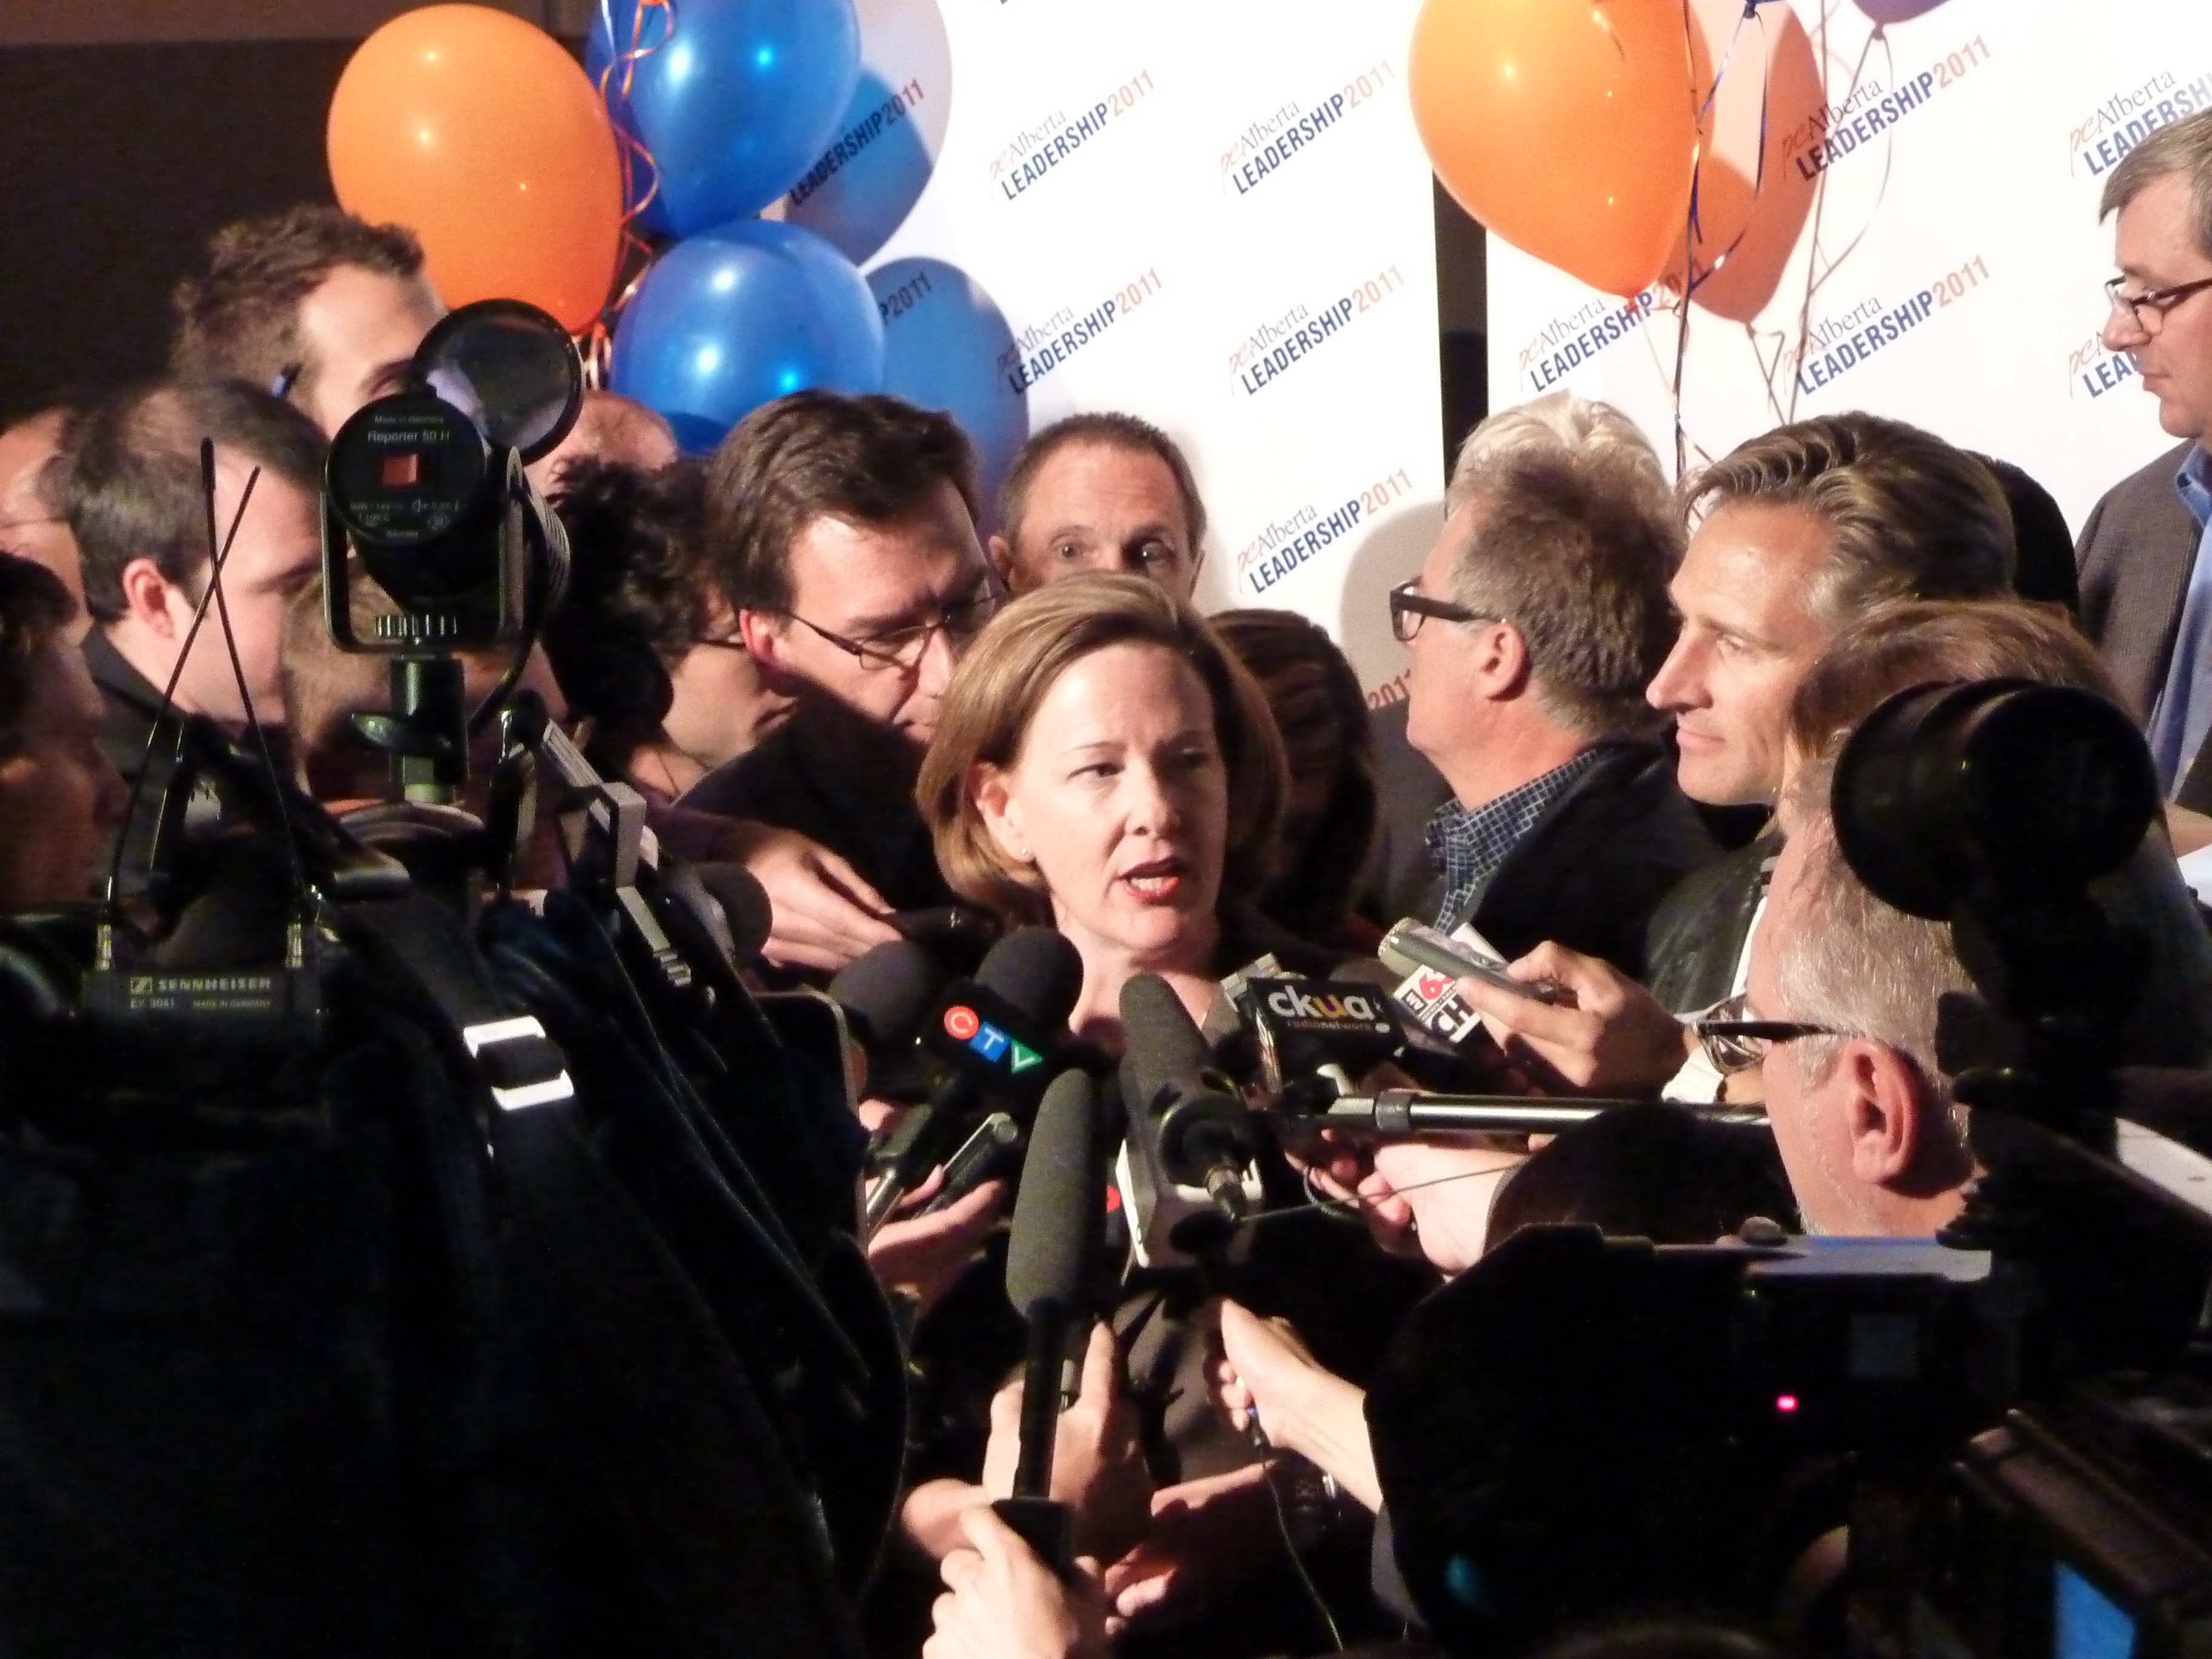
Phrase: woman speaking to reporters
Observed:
(1102, 765)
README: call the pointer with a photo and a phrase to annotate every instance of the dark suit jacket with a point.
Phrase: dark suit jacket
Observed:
(2136, 553)
(786, 782)
(1592, 870)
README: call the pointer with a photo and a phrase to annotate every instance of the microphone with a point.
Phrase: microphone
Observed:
(887, 994)
(1059, 1235)
(744, 902)
(1431, 965)
(1414, 1112)
(997, 1035)
(716, 915)
(1188, 1128)
(1300, 1026)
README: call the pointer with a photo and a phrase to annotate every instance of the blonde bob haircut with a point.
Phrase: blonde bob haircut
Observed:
(1002, 679)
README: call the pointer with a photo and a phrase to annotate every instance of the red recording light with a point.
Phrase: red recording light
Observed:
(1787, 1402)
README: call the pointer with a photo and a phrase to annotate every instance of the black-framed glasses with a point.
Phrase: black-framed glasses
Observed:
(1732, 1044)
(2146, 310)
(1410, 607)
(904, 648)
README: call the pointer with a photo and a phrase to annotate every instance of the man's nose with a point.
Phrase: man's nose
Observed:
(1670, 687)
(2121, 333)
(938, 658)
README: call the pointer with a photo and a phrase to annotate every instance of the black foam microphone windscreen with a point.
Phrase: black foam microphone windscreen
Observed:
(744, 904)
(888, 992)
(1037, 969)
(1060, 1211)
(1182, 1112)
(1166, 1051)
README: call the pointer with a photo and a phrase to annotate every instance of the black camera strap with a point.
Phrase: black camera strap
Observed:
(694, 1457)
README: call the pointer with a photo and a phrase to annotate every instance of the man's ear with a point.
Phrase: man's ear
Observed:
(1001, 814)
(1883, 1111)
(1500, 663)
(1000, 552)
(767, 638)
(146, 594)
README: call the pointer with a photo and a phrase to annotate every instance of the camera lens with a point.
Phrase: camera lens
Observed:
(1948, 794)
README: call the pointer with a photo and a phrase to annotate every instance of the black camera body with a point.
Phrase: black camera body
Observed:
(426, 497)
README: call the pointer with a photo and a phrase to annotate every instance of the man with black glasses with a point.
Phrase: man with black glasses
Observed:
(844, 529)
(2146, 553)
(1537, 620)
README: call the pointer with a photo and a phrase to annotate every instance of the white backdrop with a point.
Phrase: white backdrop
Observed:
(1214, 215)
(1948, 269)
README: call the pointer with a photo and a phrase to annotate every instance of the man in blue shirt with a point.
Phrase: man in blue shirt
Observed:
(2146, 553)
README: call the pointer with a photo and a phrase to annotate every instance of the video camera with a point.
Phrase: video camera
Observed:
(2013, 1422)
(397, 1254)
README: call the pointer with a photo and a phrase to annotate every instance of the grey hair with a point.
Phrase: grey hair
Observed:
(1864, 968)
(1558, 423)
(2184, 148)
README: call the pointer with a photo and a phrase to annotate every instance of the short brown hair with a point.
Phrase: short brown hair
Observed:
(35, 609)
(1919, 642)
(819, 454)
(1005, 675)
(2185, 148)
(1111, 431)
(1575, 550)
(134, 489)
(1909, 516)
(239, 318)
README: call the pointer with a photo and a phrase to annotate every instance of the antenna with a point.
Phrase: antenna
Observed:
(299, 894)
(169, 699)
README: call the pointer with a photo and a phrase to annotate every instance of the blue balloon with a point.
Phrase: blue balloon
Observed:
(740, 100)
(947, 346)
(858, 197)
(739, 316)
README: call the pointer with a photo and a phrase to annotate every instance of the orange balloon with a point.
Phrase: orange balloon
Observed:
(1748, 225)
(1568, 127)
(485, 137)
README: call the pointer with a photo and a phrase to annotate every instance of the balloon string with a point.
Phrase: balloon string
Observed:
(638, 163)
(1693, 278)
(1816, 276)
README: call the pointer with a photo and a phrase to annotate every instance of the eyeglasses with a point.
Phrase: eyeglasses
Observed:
(1410, 607)
(1732, 1044)
(904, 648)
(2155, 301)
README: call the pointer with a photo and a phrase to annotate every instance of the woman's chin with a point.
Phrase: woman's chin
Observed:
(1178, 934)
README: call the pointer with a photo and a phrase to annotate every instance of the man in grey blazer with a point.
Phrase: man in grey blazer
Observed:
(2146, 552)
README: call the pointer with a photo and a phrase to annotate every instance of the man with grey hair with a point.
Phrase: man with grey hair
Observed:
(1536, 620)
(2146, 552)
(1408, 788)
(1862, 1115)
